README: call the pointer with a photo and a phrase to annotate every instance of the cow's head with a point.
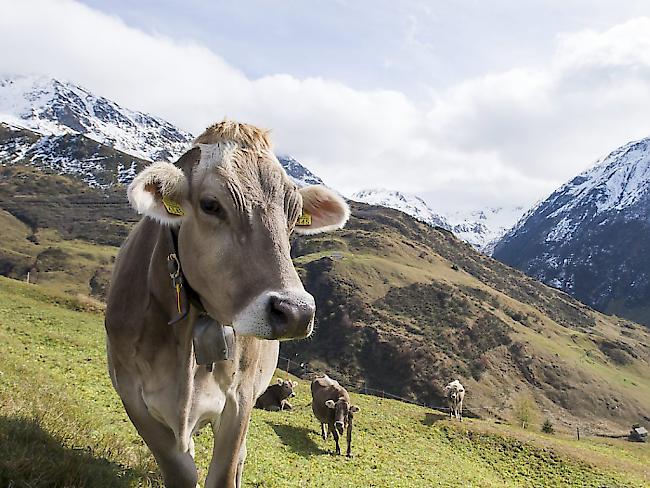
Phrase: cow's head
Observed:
(343, 413)
(235, 209)
(286, 388)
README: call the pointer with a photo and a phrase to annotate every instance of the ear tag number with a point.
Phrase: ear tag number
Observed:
(304, 219)
(172, 207)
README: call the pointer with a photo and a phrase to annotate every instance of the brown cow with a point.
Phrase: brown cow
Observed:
(207, 277)
(331, 406)
(276, 397)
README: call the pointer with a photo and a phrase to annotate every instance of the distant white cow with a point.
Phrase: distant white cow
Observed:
(455, 392)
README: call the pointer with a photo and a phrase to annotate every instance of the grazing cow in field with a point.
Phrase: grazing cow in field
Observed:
(203, 289)
(331, 406)
(276, 397)
(455, 392)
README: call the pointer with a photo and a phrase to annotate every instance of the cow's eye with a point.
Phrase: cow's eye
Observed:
(212, 207)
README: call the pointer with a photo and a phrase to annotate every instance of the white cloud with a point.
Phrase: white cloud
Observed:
(501, 138)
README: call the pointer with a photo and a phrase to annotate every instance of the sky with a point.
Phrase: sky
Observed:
(467, 103)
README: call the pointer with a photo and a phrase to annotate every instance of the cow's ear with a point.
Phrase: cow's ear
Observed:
(330, 404)
(280, 381)
(161, 192)
(322, 210)
(354, 409)
(294, 384)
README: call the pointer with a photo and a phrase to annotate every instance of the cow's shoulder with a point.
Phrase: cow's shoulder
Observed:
(129, 295)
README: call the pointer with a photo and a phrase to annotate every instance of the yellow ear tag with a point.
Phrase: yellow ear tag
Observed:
(304, 219)
(172, 207)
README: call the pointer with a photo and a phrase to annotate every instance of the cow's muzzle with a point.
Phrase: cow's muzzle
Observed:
(277, 315)
(291, 317)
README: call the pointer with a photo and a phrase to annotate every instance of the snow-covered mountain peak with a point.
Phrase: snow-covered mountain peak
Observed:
(588, 237)
(297, 172)
(52, 107)
(482, 228)
(615, 182)
(404, 202)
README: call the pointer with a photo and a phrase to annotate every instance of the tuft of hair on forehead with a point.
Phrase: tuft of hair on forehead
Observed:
(245, 135)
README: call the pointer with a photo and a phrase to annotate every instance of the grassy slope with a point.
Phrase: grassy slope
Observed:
(61, 424)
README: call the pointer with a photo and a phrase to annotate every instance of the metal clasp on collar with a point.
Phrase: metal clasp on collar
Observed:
(174, 268)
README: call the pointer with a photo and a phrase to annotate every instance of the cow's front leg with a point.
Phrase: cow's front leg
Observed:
(240, 465)
(335, 434)
(349, 439)
(323, 431)
(229, 449)
(177, 467)
(286, 405)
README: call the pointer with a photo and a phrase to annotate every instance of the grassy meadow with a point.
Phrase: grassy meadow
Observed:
(61, 424)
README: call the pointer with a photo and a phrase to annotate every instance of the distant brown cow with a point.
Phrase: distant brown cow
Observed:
(332, 407)
(276, 396)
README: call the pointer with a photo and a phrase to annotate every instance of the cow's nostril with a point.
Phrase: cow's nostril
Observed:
(290, 318)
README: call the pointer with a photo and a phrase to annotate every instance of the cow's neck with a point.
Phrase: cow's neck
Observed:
(212, 341)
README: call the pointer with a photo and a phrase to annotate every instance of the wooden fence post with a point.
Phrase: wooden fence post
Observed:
(578, 432)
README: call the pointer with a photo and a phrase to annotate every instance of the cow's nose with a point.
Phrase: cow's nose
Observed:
(339, 426)
(291, 318)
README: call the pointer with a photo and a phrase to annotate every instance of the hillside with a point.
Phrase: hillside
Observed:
(61, 424)
(589, 238)
(405, 307)
(402, 307)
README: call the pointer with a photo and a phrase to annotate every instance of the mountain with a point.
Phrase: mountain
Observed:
(409, 204)
(96, 164)
(480, 228)
(45, 121)
(483, 228)
(590, 237)
(298, 173)
(52, 107)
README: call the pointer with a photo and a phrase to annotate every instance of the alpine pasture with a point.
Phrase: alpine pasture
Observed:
(61, 424)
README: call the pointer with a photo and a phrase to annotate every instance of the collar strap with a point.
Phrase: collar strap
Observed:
(185, 294)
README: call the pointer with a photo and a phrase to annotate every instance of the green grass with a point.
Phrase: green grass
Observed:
(61, 424)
